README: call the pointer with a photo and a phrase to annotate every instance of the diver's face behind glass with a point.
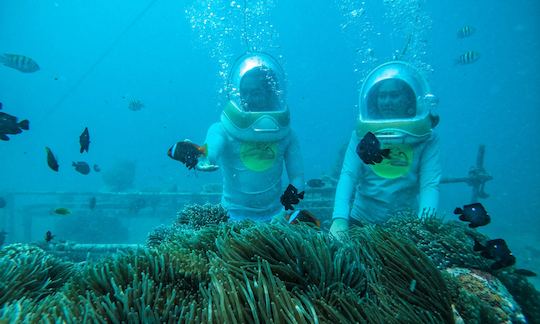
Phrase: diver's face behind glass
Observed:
(392, 100)
(257, 90)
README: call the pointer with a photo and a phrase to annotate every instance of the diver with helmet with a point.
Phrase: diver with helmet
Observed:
(253, 141)
(396, 106)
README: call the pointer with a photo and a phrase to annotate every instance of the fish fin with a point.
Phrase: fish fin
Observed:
(463, 218)
(204, 149)
(458, 211)
(478, 246)
(293, 216)
(385, 153)
(471, 225)
(4, 137)
(301, 195)
(24, 124)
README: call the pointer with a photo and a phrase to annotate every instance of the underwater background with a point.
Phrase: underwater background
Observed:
(173, 56)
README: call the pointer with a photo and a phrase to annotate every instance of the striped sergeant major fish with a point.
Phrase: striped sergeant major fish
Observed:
(19, 62)
(468, 57)
(465, 31)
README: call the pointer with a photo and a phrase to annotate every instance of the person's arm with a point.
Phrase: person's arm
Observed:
(345, 188)
(430, 178)
(294, 163)
(215, 142)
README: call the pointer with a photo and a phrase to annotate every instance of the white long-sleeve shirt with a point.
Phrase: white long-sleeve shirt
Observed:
(252, 172)
(376, 197)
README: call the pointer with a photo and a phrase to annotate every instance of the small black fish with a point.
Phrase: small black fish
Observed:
(84, 140)
(97, 168)
(369, 149)
(49, 236)
(187, 152)
(496, 250)
(51, 160)
(92, 203)
(475, 213)
(81, 167)
(525, 272)
(10, 126)
(291, 197)
(315, 183)
(3, 202)
(19, 62)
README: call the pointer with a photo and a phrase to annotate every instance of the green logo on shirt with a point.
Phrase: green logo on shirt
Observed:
(398, 164)
(258, 156)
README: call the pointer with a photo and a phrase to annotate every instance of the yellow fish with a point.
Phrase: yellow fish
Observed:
(19, 62)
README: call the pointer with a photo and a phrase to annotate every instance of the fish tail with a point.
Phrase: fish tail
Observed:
(301, 195)
(24, 124)
(458, 211)
(204, 149)
(386, 153)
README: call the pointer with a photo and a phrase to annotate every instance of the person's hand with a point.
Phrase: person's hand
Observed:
(204, 166)
(339, 228)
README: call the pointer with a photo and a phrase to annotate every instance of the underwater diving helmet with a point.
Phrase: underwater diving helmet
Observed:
(256, 110)
(396, 104)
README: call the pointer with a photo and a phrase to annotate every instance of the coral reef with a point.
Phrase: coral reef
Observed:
(482, 298)
(447, 244)
(190, 218)
(244, 272)
(403, 278)
(205, 269)
(524, 293)
(197, 216)
(28, 271)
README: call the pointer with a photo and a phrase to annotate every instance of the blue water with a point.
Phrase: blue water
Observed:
(96, 55)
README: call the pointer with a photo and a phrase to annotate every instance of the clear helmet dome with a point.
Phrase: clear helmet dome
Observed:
(256, 110)
(396, 104)
(257, 84)
(395, 91)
